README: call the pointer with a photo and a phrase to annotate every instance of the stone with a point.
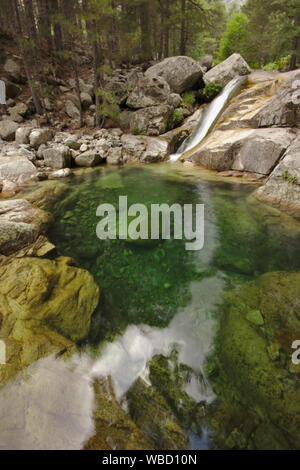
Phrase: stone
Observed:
(63, 173)
(255, 317)
(207, 61)
(72, 143)
(224, 72)
(263, 385)
(182, 73)
(71, 110)
(251, 150)
(40, 136)
(157, 150)
(283, 108)
(8, 130)
(45, 306)
(86, 100)
(14, 167)
(20, 225)
(13, 69)
(175, 100)
(20, 108)
(88, 159)
(22, 135)
(150, 91)
(133, 147)
(58, 157)
(151, 121)
(114, 156)
(282, 189)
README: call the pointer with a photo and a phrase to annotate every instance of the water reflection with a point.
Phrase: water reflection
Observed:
(50, 405)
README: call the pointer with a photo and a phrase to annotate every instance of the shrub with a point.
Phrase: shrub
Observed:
(189, 98)
(176, 118)
(211, 91)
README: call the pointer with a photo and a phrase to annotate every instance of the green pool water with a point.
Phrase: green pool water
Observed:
(186, 344)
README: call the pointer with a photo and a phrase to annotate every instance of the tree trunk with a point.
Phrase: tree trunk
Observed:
(166, 28)
(36, 101)
(58, 42)
(30, 20)
(183, 29)
(144, 14)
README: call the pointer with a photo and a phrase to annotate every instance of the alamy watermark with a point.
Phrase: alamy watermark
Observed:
(296, 354)
(162, 223)
(2, 352)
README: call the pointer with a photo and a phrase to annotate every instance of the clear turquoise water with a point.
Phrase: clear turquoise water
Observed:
(159, 310)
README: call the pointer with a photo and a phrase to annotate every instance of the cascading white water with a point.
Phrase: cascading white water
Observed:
(210, 117)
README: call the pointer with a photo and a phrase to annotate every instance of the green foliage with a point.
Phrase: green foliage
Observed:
(176, 118)
(211, 91)
(279, 64)
(109, 105)
(288, 177)
(189, 98)
(234, 37)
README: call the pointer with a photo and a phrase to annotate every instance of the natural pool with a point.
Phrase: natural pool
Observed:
(189, 349)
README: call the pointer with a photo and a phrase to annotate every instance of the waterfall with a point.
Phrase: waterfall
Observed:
(210, 117)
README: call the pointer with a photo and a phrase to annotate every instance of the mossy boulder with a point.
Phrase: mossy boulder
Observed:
(114, 430)
(152, 414)
(45, 306)
(255, 356)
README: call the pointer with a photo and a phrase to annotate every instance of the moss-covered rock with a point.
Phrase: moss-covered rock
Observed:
(152, 414)
(255, 357)
(45, 305)
(114, 430)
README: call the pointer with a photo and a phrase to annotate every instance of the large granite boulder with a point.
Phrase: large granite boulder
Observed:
(17, 169)
(151, 121)
(72, 110)
(20, 225)
(283, 108)
(57, 157)
(13, 70)
(150, 91)
(224, 72)
(8, 130)
(89, 159)
(282, 188)
(144, 149)
(182, 73)
(248, 150)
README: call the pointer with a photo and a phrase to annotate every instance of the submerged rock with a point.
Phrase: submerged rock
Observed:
(152, 414)
(45, 305)
(264, 383)
(114, 430)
